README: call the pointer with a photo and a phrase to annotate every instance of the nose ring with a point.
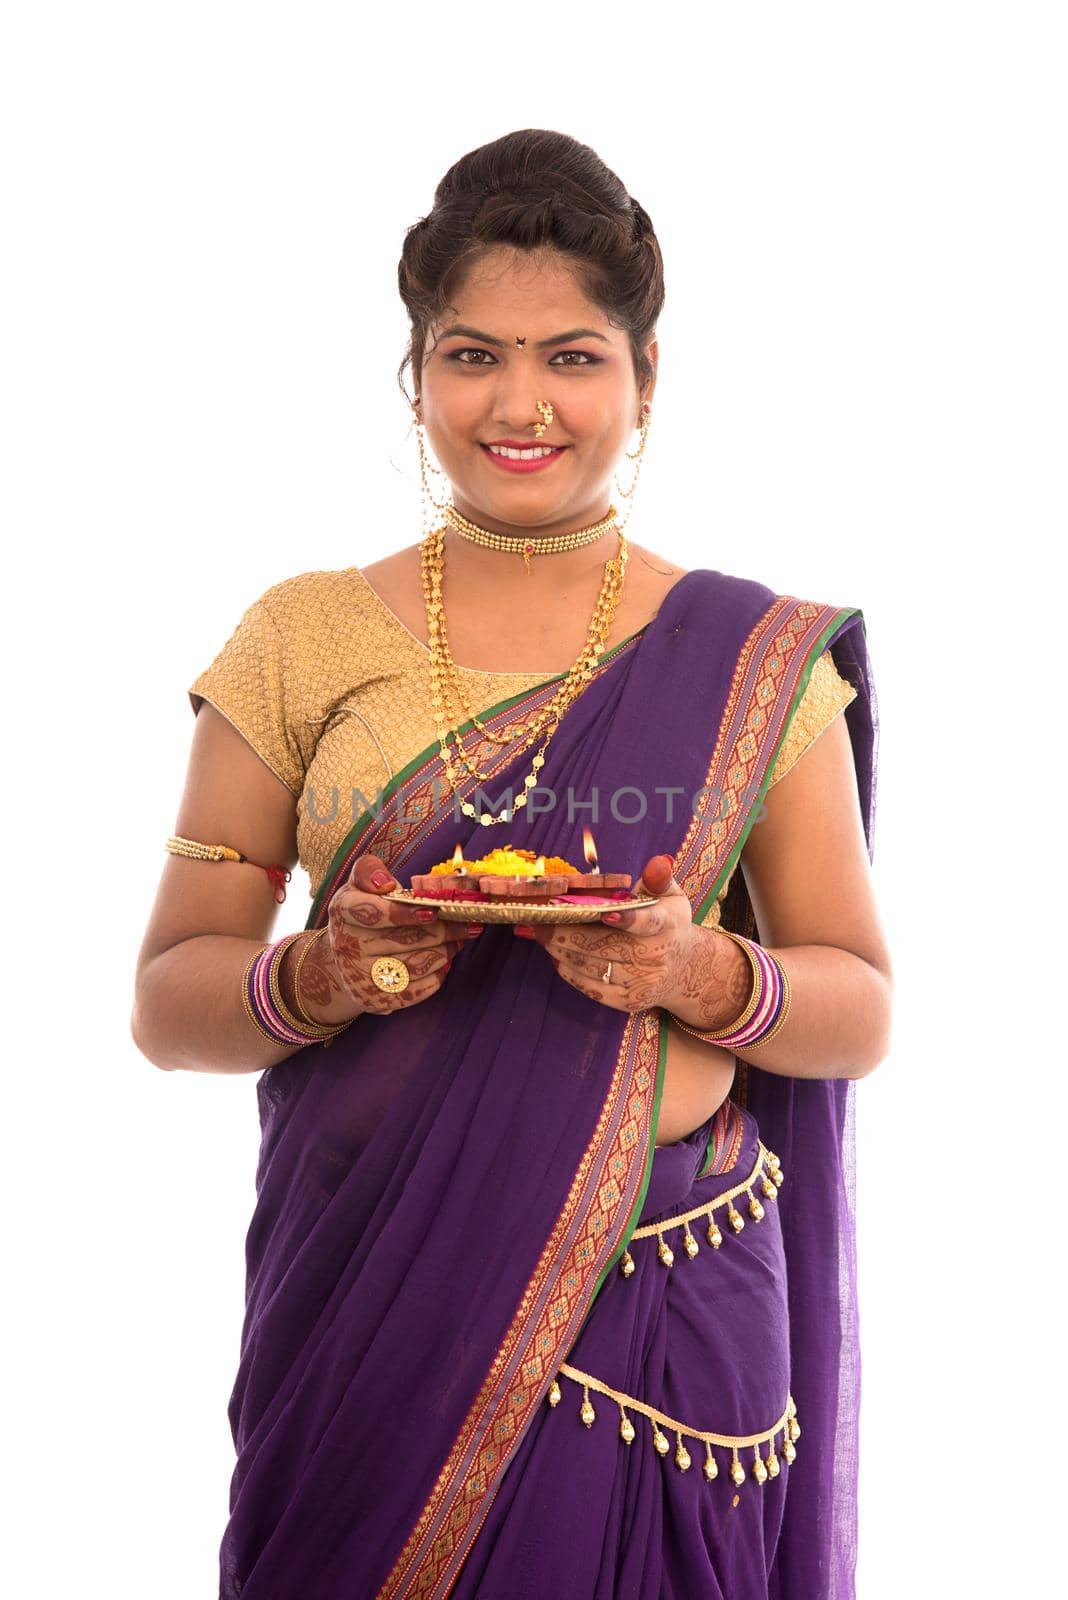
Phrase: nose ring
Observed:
(546, 411)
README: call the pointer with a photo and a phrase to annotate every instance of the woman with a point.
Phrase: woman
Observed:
(552, 1255)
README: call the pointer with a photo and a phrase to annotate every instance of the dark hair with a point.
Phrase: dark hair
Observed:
(535, 189)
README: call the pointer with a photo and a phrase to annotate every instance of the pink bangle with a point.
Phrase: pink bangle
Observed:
(265, 1007)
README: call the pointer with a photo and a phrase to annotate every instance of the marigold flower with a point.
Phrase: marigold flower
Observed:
(508, 863)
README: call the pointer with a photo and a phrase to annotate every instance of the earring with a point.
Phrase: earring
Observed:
(643, 423)
(426, 464)
(634, 455)
(546, 410)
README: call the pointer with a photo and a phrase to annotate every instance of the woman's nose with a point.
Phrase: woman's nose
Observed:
(515, 404)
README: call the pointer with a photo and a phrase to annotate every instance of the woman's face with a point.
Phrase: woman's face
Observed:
(478, 388)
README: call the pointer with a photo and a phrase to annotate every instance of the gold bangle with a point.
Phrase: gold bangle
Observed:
(686, 1028)
(301, 1008)
(335, 1028)
(321, 1030)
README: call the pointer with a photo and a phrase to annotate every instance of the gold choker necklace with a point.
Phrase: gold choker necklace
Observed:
(516, 544)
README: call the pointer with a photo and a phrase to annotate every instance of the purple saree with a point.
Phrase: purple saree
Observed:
(445, 1195)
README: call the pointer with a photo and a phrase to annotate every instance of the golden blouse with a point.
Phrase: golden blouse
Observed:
(331, 690)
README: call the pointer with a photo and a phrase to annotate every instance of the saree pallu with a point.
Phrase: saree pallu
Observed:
(445, 1195)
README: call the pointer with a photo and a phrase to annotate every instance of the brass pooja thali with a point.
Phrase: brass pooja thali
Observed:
(530, 911)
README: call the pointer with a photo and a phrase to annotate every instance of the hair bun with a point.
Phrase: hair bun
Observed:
(643, 223)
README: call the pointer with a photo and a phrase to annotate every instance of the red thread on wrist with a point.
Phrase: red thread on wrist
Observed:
(279, 877)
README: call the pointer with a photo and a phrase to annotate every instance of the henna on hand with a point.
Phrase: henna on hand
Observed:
(716, 984)
(323, 996)
(660, 957)
(335, 980)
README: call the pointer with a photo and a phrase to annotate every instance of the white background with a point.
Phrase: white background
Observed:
(861, 400)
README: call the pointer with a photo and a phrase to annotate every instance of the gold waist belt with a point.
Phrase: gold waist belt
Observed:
(768, 1181)
(767, 1171)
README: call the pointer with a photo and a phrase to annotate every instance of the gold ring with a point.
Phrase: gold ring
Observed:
(390, 974)
(607, 978)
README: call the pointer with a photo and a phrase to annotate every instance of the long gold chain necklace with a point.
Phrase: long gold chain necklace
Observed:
(604, 610)
(446, 683)
(445, 674)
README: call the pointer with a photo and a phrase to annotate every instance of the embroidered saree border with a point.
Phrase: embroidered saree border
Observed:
(770, 678)
(725, 1143)
(770, 675)
(813, 646)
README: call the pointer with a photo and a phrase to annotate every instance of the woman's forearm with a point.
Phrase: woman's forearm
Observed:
(839, 1020)
(838, 1025)
(189, 1012)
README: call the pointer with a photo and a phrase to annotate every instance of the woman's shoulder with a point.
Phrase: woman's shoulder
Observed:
(303, 602)
(283, 651)
(338, 635)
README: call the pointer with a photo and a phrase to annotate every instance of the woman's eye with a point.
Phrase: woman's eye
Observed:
(585, 360)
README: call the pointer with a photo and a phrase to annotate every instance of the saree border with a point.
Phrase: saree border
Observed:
(777, 656)
(427, 765)
(846, 615)
(705, 869)
(715, 1161)
(756, 710)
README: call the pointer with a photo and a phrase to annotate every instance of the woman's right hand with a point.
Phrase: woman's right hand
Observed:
(364, 926)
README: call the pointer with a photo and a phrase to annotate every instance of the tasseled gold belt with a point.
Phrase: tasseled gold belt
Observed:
(763, 1468)
(787, 1424)
(769, 1182)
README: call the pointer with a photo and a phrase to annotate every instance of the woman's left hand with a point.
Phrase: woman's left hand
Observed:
(649, 950)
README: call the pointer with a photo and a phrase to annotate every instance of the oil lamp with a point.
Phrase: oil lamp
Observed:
(535, 885)
(595, 880)
(456, 884)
